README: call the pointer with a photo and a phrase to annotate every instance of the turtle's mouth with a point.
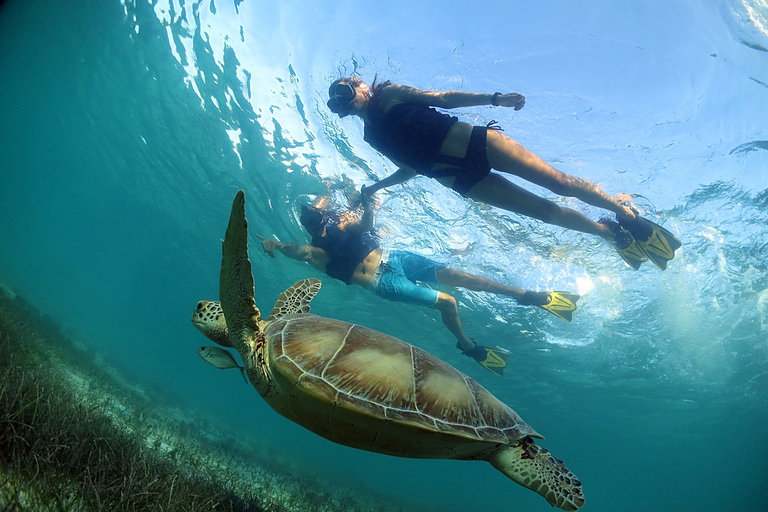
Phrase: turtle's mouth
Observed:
(198, 322)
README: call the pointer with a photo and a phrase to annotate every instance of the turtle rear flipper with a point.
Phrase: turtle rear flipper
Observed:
(295, 299)
(535, 468)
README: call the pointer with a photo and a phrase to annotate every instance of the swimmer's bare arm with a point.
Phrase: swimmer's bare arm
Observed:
(399, 176)
(315, 256)
(365, 223)
(449, 99)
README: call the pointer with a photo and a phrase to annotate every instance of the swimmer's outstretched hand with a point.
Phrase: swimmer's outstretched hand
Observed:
(511, 100)
(366, 197)
(269, 245)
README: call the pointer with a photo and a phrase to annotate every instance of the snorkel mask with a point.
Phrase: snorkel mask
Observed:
(343, 94)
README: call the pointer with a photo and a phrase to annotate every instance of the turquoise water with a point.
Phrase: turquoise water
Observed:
(126, 129)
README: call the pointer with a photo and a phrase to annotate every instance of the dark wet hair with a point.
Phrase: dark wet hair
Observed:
(376, 88)
(311, 217)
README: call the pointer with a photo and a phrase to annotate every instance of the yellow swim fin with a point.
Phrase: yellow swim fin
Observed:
(629, 250)
(492, 359)
(624, 241)
(560, 304)
(659, 245)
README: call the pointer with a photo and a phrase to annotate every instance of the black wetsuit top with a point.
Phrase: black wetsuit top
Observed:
(410, 134)
(346, 250)
(413, 134)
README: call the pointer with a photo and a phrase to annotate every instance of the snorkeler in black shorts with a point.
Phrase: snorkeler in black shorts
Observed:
(401, 123)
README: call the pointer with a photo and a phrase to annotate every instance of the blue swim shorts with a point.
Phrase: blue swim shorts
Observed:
(397, 274)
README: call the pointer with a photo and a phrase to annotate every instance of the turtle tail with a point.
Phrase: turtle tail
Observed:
(535, 468)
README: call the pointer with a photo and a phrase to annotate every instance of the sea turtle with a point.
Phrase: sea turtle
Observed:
(362, 388)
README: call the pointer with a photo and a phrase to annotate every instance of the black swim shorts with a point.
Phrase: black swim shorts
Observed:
(475, 164)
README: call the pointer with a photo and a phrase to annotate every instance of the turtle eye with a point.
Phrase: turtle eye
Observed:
(200, 305)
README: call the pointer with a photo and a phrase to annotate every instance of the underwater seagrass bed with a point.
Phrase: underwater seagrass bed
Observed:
(73, 437)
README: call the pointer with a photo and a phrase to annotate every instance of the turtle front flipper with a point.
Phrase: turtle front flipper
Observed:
(236, 285)
(535, 468)
(295, 299)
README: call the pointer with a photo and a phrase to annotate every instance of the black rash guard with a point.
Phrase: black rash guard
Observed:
(413, 135)
(410, 134)
(346, 250)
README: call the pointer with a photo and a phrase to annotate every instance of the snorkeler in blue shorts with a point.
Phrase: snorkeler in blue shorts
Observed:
(397, 276)
(347, 250)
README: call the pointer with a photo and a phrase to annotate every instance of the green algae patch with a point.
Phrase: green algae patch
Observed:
(73, 437)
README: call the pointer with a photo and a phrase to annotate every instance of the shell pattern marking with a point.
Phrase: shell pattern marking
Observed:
(390, 379)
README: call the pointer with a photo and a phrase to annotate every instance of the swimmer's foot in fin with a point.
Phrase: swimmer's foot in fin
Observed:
(560, 304)
(629, 249)
(658, 244)
(492, 359)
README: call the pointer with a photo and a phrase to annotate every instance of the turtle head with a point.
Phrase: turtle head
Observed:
(208, 318)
